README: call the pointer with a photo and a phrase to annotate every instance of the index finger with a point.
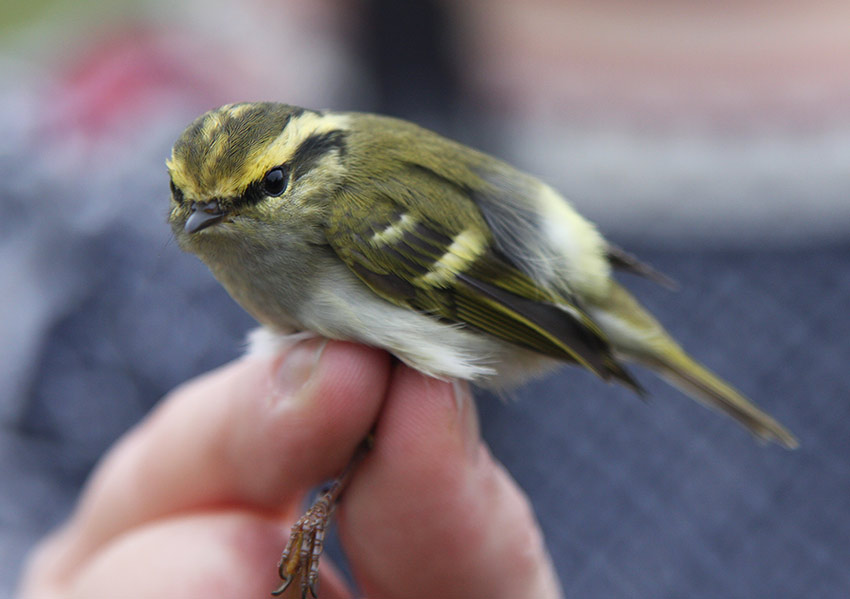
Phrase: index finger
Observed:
(430, 513)
(254, 434)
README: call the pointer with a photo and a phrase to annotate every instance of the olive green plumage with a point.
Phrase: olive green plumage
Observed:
(368, 228)
(490, 294)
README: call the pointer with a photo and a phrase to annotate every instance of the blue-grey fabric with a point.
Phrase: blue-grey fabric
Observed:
(670, 500)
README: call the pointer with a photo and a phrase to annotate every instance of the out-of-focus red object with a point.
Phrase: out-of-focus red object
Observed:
(120, 77)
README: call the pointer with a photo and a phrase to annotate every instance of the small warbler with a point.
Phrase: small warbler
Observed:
(368, 228)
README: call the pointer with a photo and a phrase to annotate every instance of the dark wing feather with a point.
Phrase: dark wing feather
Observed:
(540, 326)
(395, 238)
(625, 261)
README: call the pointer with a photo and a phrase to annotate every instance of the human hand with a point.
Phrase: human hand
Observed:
(196, 500)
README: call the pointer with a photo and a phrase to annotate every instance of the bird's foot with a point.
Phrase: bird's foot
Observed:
(301, 556)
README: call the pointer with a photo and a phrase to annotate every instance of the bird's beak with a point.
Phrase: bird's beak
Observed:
(203, 215)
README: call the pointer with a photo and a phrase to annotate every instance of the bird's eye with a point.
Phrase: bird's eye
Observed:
(274, 183)
(176, 193)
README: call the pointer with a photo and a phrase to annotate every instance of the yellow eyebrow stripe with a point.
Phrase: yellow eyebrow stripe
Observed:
(282, 148)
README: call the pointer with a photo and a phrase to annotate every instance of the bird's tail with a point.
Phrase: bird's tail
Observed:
(638, 337)
(684, 372)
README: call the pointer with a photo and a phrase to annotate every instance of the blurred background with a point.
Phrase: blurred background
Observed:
(712, 139)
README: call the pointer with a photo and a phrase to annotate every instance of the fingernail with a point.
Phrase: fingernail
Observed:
(297, 367)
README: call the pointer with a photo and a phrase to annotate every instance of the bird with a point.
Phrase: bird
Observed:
(369, 228)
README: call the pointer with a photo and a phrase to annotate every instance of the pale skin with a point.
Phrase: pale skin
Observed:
(197, 500)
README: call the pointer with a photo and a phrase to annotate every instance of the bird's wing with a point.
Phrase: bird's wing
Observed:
(623, 260)
(400, 238)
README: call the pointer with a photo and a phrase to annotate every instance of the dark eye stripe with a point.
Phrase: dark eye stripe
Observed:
(259, 190)
(313, 148)
(176, 192)
(305, 158)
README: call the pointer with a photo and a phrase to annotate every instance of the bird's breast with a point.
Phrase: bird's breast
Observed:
(271, 281)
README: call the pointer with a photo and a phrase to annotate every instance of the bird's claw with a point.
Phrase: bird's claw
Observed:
(302, 552)
(301, 556)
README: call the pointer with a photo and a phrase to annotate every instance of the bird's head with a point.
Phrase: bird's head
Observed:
(247, 168)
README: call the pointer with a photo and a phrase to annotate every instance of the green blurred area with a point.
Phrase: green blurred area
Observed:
(18, 14)
(24, 17)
